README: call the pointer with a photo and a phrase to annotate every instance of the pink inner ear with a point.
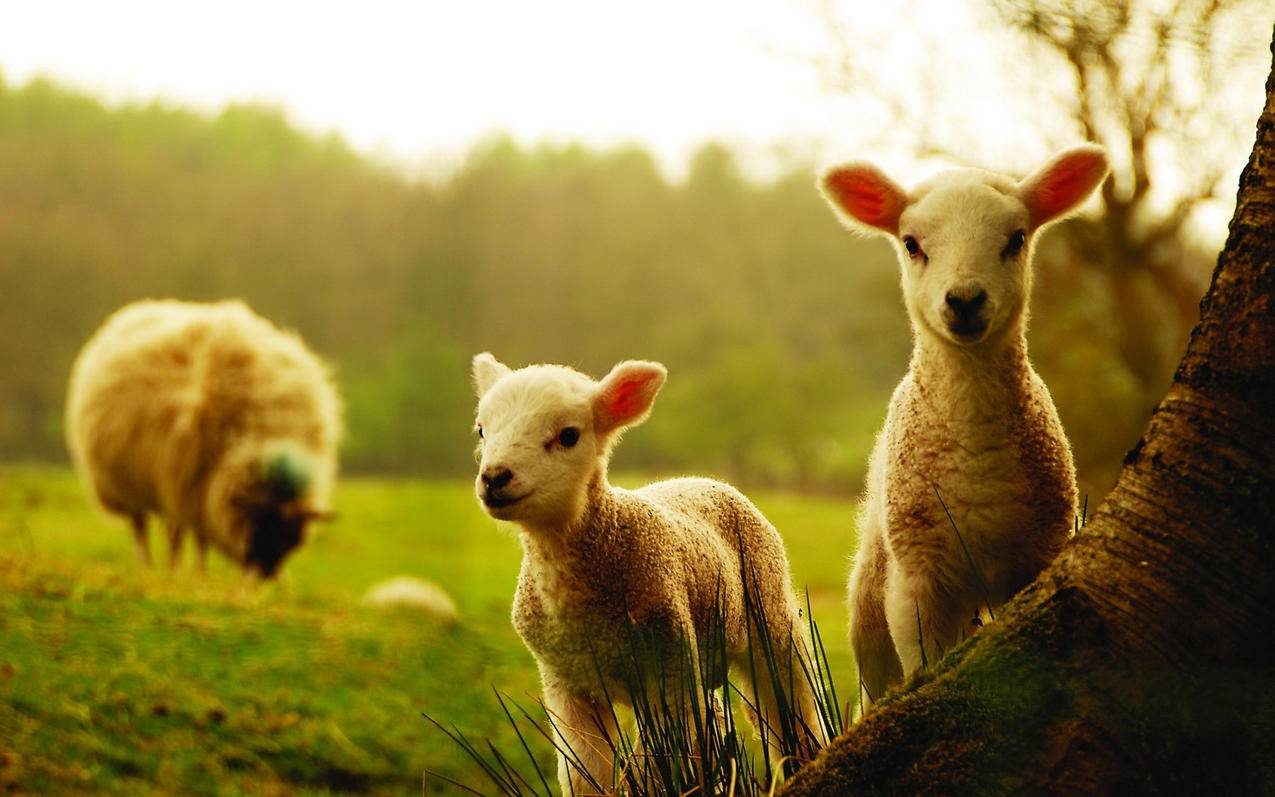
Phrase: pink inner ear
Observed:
(625, 399)
(864, 195)
(1065, 185)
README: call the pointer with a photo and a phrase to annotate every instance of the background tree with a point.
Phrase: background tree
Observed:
(1140, 661)
(1159, 84)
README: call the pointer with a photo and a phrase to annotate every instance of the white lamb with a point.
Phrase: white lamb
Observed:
(971, 425)
(602, 564)
(210, 417)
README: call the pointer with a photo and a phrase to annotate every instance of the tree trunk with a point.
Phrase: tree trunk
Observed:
(1143, 659)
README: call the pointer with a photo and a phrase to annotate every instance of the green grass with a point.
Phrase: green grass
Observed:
(115, 679)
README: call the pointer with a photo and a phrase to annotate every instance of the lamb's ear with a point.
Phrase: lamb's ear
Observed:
(1058, 187)
(861, 194)
(624, 397)
(487, 369)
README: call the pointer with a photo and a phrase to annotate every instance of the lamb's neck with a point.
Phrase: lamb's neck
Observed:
(554, 545)
(974, 382)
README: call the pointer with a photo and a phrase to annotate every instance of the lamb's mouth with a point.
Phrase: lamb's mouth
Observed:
(501, 501)
(967, 331)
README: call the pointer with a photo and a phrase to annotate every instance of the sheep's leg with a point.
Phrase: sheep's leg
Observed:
(925, 620)
(585, 727)
(201, 552)
(870, 640)
(139, 539)
(174, 546)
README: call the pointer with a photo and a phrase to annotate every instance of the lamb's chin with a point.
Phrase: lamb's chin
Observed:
(512, 511)
(967, 336)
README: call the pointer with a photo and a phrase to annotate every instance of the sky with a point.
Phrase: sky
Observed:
(419, 82)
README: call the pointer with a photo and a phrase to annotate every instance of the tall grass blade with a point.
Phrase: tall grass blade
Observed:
(920, 638)
(978, 574)
(686, 738)
(523, 741)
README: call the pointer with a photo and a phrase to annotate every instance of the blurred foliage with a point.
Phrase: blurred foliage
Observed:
(783, 334)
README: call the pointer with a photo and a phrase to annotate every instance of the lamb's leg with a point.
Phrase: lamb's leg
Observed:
(870, 640)
(586, 727)
(783, 697)
(139, 539)
(925, 620)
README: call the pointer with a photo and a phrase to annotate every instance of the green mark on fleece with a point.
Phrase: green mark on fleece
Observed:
(287, 475)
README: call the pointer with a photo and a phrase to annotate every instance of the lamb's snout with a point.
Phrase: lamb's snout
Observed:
(963, 312)
(495, 479)
(966, 303)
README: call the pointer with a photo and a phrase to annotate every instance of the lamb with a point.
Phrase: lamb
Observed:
(210, 417)
(971, 428)
(601, 564)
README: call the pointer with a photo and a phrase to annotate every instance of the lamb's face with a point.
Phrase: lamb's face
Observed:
(964, 245)
(537, 444)
(965, 237)
(546, 431)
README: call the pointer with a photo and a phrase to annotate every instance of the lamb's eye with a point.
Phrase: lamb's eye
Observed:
(480, 433)
(569, 436)
(1015, 245)
(910, 244)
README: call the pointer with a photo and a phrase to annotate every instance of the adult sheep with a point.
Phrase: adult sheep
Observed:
(210, 417)
(672, 564)
(971, 490)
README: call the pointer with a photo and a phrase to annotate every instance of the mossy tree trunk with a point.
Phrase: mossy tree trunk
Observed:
(1143, 660)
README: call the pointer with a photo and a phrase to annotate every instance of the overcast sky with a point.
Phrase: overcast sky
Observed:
(420, 81)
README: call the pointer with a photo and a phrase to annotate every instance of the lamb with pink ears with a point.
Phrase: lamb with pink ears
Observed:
(971, 429)
(601, 564)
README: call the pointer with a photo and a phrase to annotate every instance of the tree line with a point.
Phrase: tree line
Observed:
(783, 333)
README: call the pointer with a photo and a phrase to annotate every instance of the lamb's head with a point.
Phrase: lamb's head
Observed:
(965, 237)
(263, 498)
(546, 431)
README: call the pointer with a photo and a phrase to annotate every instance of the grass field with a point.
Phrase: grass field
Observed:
(120, 680)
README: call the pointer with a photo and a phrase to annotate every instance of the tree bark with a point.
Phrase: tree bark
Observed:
(1143, 660)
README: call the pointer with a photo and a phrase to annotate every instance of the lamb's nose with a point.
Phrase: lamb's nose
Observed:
(964, 304)
(495, 478)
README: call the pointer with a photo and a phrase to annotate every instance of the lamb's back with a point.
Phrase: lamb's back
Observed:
(657, 563)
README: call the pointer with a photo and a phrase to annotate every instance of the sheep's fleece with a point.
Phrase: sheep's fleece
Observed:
(210, 417)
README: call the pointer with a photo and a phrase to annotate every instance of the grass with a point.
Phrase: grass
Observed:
(118, 680)
(684, 735)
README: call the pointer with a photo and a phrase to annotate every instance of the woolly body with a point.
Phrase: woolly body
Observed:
(664, 557)
(971, 426)
(604, 567)
(192, 412)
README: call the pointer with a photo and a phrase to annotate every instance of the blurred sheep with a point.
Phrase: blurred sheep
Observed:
(210, 417)
(410, 592)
